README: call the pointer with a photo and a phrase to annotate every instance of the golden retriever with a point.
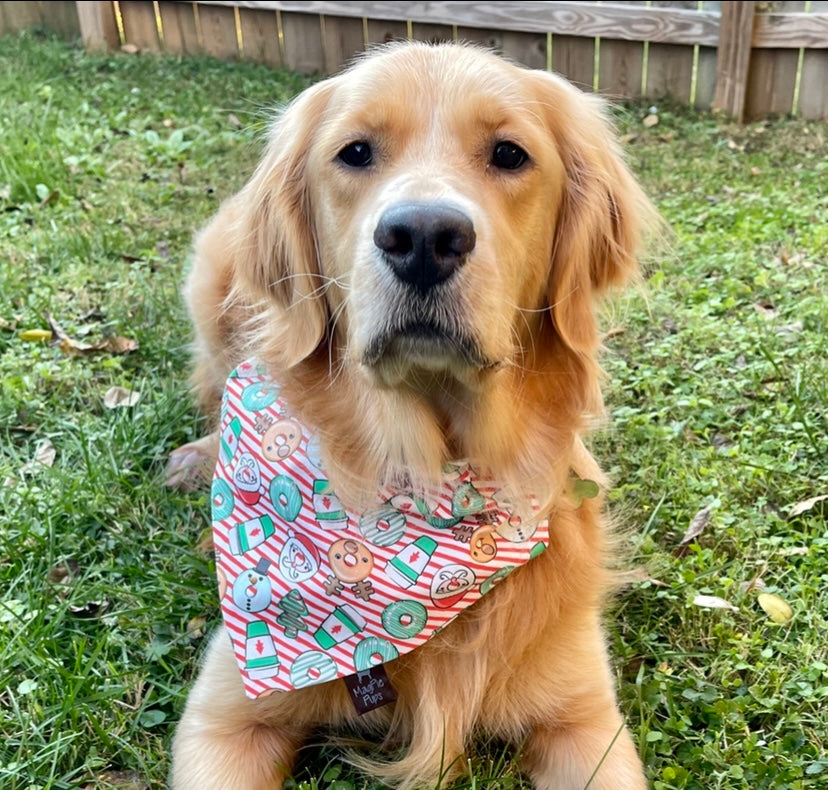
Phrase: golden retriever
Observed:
(417, 260)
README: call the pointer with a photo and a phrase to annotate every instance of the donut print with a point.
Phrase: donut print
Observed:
(384, 526)
(259, 395)
(221, 499)
(404, 619)
(285, 497)
(312, 667)
(372, 651)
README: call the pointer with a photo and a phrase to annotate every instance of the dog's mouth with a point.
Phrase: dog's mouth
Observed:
(427, 345)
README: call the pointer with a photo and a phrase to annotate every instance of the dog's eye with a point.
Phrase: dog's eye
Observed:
(508, 156)
(356, 154)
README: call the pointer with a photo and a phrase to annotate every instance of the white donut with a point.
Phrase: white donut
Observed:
(382, 526)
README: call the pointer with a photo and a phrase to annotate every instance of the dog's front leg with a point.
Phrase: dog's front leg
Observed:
(595, 752)
(224, 739)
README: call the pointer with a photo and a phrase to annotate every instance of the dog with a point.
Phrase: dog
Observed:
(417, 261)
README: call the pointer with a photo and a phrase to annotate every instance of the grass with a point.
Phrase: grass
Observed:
(717, 391)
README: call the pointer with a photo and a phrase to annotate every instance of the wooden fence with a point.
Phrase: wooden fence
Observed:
(747, 58)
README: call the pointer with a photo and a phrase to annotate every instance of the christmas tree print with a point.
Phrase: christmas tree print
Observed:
(293, 610)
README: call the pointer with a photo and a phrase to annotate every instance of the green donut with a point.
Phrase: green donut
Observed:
(367, 648)
(495, 578)
(404, 619)
(312, 667)
(285, 497)
(221, 497)
(259, 395)
(391, 531)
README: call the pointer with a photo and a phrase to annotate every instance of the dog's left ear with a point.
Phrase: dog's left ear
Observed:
(602, 217)
(272, 241)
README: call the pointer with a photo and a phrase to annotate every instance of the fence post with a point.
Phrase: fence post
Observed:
(733, 64)
(99, 30)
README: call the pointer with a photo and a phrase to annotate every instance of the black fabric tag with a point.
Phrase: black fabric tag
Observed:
(370, 689)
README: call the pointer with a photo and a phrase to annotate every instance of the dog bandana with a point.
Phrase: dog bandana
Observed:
(311, 591)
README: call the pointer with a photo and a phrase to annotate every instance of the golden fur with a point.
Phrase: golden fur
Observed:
(288, 270)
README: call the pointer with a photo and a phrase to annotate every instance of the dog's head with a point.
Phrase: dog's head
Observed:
(438, 214)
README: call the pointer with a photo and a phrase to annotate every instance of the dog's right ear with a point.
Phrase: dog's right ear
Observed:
(274, 252)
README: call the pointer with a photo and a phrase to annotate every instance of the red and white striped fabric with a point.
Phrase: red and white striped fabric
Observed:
(311, 592)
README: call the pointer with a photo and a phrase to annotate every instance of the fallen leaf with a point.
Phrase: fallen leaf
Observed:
(650, 121)
(69, 345)
(45, 454)
(89, 609)
(778, 609)
(122, 780)
(638, 575)
(805, 505)
(795, 551)
(118, 345)
(63, 572)
(756, 583)
(195, 627)
(49, 198)
(790, 329)
(714, 602)
(120, 398)
(36, 335)
(697, 525)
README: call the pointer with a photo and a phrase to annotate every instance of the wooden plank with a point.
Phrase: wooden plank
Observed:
(432, 33)
(260, 36)
(670, 72)
(178, 23)
(668, 25)
(303, 49)
(574, 58)
(140, 29)
(772, 78)
(342, 39)
(795, 30)
(20, 16)
(526, 48)
(734, 58)
(218, 31)
(705, 78)
(62, 18)
(382, 31)
(670, 66)
(491, 39)
(99, 30)
(620, 64)
(813, 86)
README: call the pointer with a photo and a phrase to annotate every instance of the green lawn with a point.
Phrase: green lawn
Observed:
(717, 392)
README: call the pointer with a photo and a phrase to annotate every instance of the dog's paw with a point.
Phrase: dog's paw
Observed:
(190, 466)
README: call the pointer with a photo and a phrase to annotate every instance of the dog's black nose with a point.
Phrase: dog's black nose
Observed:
(424, 243)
